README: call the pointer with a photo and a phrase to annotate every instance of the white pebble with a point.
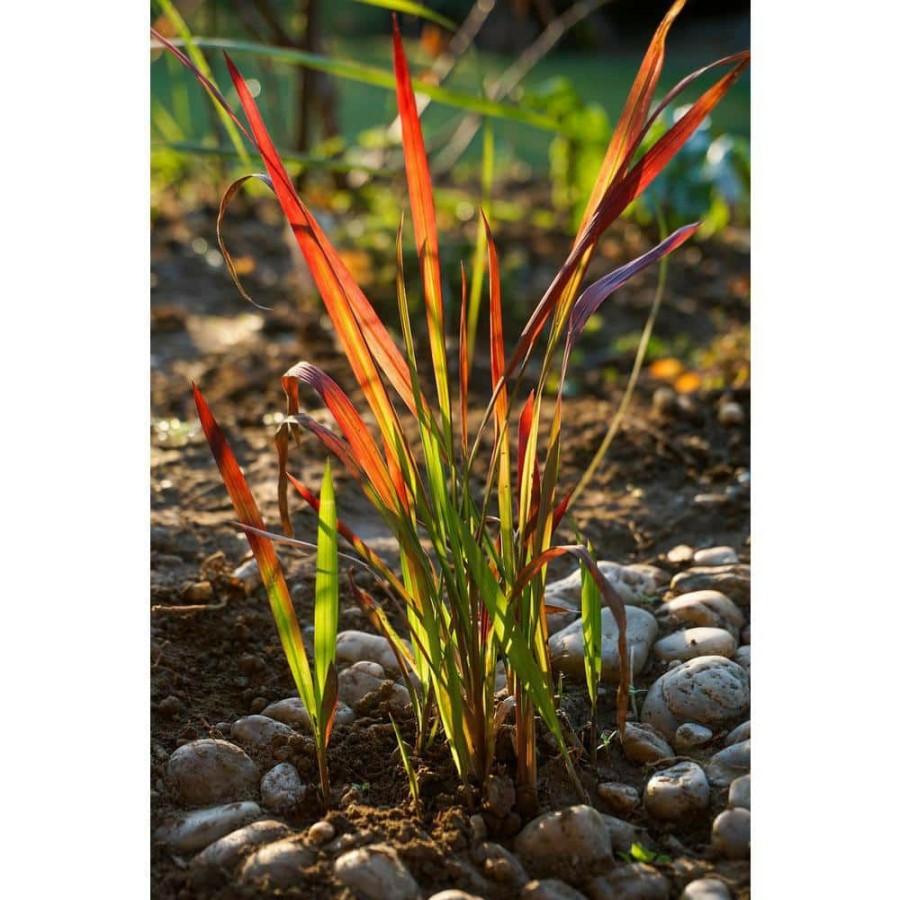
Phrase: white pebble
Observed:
(376, 872)
(731, 834)
(691, 735)
(728, 764)
(716, 556)
(706, 889)
(677, 793)
(282, 789)
(739, 792)
(321, 832)
(198, 829)
(209, 771)
(693, 642)
(583, 833)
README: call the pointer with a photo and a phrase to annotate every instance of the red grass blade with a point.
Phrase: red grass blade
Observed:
(424, 223)
(263, 550)
(349, 421)
(615, 201)
(526, 418)
(622, 144)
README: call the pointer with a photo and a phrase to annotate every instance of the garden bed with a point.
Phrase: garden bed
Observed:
(676, 480)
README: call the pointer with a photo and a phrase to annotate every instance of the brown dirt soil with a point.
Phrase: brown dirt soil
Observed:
(222, 661)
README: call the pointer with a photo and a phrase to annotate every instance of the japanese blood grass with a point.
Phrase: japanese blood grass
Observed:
(317, 687)
(472, 563)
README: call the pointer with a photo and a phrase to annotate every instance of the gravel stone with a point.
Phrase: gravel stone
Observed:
(708, 690)
(279, 865)
(706, 889)
(453, 894)
(216, 862)
(677, 793)
(356, 683)
(257, 732)
(694, 642)
(199, 828)
(731, 834)
(742, 657)
(709, 609)
(690, 735)
(583, 833)
(644, 744)
(320, 833)
(716, 556)
(635, 881)
(681, 554)
(739, 792)
(209, 771)
(376, 872)
(550, 889)
(567, 646)
(733, 581)
(728, 764)
(623, 798)
(291, 711)
(282, 789)
(358, 646)
(741, 733)
(635, 583)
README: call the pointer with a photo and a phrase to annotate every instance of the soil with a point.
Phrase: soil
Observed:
(215, 654)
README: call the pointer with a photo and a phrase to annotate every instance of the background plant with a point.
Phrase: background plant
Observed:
(473, 562)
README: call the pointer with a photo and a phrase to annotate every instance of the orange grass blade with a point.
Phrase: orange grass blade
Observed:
(263, 550)
(424, 225)
(361, 332)
(349, 421)
(615, 201)
(622, 144)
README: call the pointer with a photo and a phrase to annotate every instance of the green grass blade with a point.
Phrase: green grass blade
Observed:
(383, 78)
(407, 764)
(327, 596)
(413, 9)
(199, 60)
(592, 627)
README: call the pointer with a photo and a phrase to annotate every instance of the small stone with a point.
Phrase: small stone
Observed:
(373, 668)
(247, 573)
(622, 834)
(636, 881)
(706, 889)
(716, 556)
(708, 690)
(623, 798)
(376, 872)
(691, 735)
(453, 894)
(742, 657)
(644, 744)
(728, 764)
(677, 793)
(215, 862)
(258, 704)
(291, 711)
(741, 733)
(731, 414)
(282, 789)
(635, 584)
(733, 581)
(680, 555)
(198, 829)
(279, 865)
(257, 732)
(320, 833)
(479, 827)
(209, 771)
(169, 707)
(709, 609)
(550, 889)
(580, 830)
(500, 865)
(356, 646)
(665, 400)
(739, 792)
(731, 834)
(567, 646)
(355, 683)
(694, 642)
(199, 592)
(709, 501)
